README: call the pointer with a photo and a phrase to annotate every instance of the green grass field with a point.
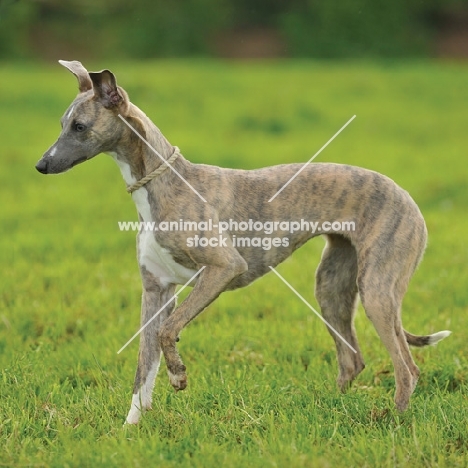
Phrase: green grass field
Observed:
(261, 366)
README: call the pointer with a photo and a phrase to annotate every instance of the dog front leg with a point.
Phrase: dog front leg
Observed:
(211, 283)
(155, 296)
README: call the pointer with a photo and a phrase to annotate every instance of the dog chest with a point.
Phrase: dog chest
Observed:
(158, 260)
(155, 258)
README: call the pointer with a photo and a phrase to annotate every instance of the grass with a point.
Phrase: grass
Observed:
(261, 367)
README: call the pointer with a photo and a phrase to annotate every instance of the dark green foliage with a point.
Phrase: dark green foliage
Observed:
(162, 28)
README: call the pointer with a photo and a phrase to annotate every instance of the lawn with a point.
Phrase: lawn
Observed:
(261, 366)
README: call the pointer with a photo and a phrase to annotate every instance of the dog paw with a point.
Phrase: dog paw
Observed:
(344, 384)
(401, 406)
(133, 416)
(178, 381)
(402, 401)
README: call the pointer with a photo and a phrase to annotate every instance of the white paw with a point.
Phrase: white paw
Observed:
(133, 416)
(138, 406)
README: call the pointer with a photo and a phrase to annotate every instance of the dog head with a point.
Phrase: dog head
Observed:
(91, 125)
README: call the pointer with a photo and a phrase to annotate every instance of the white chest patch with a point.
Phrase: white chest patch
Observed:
(124, 169)
(156, 259)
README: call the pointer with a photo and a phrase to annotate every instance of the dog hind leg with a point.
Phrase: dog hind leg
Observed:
(336, 292)
(381, 298)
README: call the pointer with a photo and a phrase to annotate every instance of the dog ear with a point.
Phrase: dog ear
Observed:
(82, 75)
(106, 89)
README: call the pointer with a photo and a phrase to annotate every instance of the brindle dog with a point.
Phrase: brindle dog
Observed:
(376, 260)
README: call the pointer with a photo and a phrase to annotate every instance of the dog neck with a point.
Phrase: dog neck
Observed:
(136, 157)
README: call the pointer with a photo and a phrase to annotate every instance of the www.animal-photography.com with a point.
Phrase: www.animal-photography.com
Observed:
(233, 233)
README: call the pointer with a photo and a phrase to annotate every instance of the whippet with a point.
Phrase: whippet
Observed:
(376, 260)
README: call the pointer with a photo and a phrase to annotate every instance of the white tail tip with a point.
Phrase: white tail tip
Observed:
(436, 337)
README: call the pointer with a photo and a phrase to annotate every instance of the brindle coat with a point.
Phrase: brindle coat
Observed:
(375, 261)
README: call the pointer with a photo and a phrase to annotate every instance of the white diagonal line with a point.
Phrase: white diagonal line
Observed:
(157, 153)
(161, 309)
(312, 158)
(312, 309)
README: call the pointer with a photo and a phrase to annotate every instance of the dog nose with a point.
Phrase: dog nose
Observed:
(41, 166)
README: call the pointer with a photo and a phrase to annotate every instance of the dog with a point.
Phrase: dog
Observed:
(375, 261)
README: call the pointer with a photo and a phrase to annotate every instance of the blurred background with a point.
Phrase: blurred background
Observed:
(47, 29)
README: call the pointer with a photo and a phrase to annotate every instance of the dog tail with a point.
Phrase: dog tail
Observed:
(419, 341)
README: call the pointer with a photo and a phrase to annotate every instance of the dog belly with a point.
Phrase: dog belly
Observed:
(259, 260)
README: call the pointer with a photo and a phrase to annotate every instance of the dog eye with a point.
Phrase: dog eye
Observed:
(80, 127)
